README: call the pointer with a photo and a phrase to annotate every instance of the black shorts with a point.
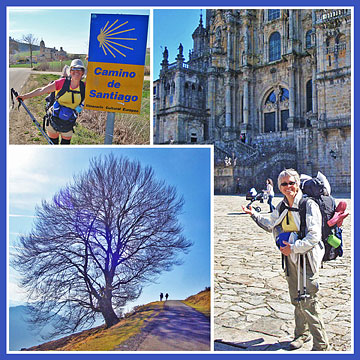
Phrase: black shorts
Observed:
(61, 125)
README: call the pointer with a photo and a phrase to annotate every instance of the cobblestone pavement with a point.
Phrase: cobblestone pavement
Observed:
(252, 309)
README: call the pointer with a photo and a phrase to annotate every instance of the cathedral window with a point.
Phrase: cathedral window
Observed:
(276, 110)
(273, 14)
(274, 47)
(309, 96)
(284, 94)
(308, 39)
(271, 98)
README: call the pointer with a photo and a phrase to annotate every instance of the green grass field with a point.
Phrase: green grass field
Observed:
(129, 128)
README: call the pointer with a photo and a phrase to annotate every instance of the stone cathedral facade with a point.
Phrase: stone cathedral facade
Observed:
(269, 88)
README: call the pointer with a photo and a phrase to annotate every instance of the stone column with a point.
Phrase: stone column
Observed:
(211, 101)
(314, 89)
(228, 101)
(179, 87)
(246, 100)
(292, 91)
(292, 95)
(291, 30)
(229, 47)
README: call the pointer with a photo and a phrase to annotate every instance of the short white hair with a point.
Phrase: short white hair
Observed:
(289, 172)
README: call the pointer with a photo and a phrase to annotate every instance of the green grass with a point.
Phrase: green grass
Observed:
(109, 339)
(83, 135)
(147, 58)
(200, 302)
(24, 54)
(20, 66)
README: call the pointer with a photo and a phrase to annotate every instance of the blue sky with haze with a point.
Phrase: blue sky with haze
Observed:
(172, 27)
(68, 28)
(37, 173)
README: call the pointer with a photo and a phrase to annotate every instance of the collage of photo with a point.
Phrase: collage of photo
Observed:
(179, 180)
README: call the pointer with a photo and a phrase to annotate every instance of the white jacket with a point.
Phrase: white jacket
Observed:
(310, 243)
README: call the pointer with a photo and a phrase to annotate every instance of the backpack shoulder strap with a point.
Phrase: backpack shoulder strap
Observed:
(64, 89)
(302, 213)
(282, 207)
(82, 91)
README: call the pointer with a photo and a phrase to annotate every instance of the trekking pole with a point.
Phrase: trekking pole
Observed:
(298, 280)
(304, 296)
(46, 136)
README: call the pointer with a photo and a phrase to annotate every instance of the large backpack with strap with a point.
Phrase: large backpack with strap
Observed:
(51, 98)
(315, 189)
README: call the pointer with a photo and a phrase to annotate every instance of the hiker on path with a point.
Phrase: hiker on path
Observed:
(166, 296)
(66, 107)
(270, 193)
(161, 296)
(308, 319)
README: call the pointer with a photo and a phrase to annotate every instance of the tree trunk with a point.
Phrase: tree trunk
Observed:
(108, 312)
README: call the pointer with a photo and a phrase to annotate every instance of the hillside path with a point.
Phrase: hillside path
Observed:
(178, 328)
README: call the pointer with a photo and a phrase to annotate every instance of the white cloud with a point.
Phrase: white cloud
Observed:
(25, 216)
(16, 293)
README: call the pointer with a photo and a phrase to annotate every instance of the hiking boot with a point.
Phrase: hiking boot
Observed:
(298, 342)
(328, 348)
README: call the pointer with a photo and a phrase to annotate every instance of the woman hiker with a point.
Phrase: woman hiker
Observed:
(285, 220)
(66, 107)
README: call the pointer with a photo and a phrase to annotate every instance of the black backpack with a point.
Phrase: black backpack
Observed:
(314, 189)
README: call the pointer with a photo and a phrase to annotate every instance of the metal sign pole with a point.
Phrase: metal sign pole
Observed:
(109, 130)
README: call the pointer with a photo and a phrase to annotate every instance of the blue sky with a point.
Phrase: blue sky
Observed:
(172, 27)
(35, 174)
(68, 28)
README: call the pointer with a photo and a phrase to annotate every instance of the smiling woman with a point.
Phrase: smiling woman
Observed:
(66, 103)
(302, 249)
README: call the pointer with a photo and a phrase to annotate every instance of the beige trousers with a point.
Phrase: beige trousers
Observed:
(308, 317)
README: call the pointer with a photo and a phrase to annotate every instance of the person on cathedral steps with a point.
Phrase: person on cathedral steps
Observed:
(308, 319)
(270, 193)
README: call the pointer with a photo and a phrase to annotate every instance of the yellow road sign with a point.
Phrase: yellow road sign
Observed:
(116, 62)
(114, 87)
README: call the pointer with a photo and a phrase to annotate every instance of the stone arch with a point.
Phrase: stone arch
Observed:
(274, 108)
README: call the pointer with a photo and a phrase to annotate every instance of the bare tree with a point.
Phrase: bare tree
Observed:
(94, 246)
(31, 40)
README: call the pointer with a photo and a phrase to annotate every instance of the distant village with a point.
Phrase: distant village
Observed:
(46, 53)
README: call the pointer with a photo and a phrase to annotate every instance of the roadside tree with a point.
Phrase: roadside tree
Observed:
(31, 40)
(94, 246)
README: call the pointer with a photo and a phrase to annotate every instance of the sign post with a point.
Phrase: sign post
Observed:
(116, 64)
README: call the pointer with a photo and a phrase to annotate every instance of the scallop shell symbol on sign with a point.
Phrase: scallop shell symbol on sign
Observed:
(108, 39)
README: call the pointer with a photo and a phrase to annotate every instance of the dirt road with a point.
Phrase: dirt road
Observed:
(178, 328)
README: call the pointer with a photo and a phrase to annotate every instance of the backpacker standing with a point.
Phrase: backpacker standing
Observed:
(65, 109)
(308, 319)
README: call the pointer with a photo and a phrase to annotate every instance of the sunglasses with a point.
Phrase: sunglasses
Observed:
(76, 69)
(291, 183)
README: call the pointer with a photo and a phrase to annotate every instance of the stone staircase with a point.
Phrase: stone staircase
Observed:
(242, 151)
